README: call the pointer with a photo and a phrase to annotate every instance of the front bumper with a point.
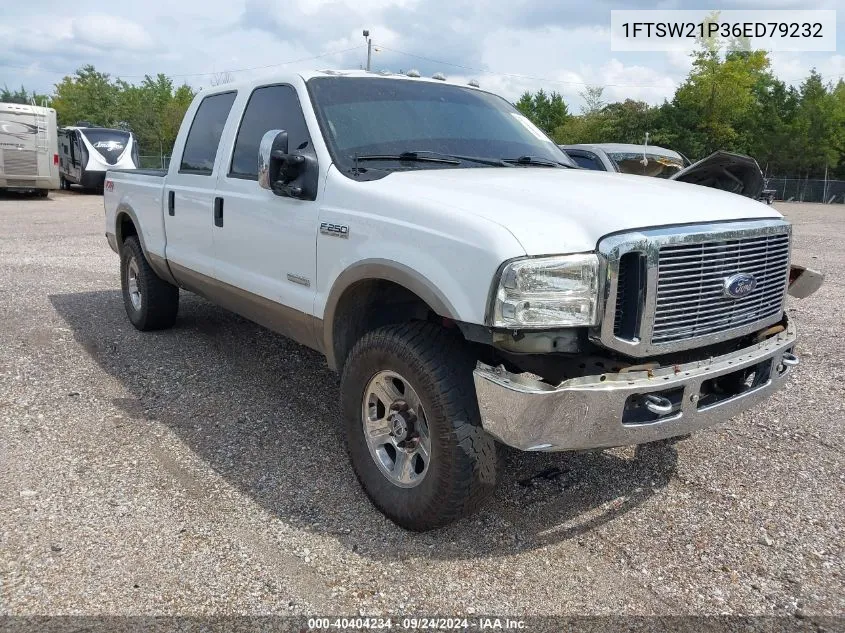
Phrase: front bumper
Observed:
(607, 410)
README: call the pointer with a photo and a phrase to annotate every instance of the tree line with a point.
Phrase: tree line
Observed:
(152, 109)
(729, 101)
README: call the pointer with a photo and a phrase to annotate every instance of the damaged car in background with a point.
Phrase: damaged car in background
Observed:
(735, 173)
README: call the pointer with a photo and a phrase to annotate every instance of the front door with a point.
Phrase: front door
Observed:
(189, 193)
(266, 244)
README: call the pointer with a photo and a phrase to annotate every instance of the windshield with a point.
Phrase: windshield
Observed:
(109, 143)
(656, 165)
(383, 118)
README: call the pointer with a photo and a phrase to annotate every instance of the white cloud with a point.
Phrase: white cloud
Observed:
(517, 45)
(111, 31)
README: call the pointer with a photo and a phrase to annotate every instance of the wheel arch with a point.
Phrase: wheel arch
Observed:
(126, 224)
(357, 300)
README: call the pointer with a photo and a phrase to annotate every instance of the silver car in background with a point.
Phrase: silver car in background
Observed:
(727, 171)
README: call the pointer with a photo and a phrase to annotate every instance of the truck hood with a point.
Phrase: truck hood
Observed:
(736, 173)
(568, 210)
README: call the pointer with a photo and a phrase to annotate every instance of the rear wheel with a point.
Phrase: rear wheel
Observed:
(151, 303)
(413, 429)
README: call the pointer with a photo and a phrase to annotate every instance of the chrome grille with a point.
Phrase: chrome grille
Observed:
(678, 301)
(691, 278)
(20, 162)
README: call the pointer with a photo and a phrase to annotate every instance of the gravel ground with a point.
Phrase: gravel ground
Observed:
(201, 471)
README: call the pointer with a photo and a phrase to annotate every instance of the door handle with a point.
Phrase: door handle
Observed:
(171, 202)
(218, 212)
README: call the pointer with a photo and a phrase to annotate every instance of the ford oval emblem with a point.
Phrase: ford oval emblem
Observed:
(739, 286)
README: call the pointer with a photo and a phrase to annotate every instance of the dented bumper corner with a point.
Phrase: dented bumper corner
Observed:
(629, 408)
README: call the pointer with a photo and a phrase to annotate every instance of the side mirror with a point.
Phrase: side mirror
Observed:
(292, 175)
(272, 140)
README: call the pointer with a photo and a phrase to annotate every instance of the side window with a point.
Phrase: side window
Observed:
(269, 108)
(204, 135)
(587, 160)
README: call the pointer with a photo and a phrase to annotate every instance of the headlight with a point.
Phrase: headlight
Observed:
(548, 292)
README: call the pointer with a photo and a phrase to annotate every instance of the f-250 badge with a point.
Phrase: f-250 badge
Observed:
(335, 230)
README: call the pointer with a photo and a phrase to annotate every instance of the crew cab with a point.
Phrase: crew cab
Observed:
(469, 283)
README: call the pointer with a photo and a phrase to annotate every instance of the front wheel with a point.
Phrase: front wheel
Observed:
(413, 430)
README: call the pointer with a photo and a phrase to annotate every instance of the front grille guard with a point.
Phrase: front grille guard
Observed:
(648, 243)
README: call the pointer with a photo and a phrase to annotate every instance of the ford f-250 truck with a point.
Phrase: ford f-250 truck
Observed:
(468, 281)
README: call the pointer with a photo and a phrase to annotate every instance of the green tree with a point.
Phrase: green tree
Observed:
(22, 96)
(546, 111)
(717, 97)
(152, 109)
(88, 95)
(817, 126)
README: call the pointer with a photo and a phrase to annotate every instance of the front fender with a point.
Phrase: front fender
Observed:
(386, 270)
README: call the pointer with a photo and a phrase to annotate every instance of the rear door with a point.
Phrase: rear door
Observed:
(264, 243)
(190, 189)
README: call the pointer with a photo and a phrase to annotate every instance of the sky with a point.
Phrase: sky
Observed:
(509, 46)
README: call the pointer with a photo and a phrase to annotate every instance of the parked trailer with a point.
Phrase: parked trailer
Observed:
(29, 156)
(85, 153)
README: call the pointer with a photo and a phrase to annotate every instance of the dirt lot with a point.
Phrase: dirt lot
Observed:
(200, 470)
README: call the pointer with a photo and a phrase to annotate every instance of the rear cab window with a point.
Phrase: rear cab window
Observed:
(200, 152)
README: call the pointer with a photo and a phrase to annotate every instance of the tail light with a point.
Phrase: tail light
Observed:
(55, 159)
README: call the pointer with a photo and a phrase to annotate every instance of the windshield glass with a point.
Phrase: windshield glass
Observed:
(385, 117)
(655, 165)
(109, 143)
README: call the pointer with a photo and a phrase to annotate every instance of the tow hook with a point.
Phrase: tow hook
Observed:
(658, 405)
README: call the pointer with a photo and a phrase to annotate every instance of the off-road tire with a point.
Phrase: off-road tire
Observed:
(159, 300)
(462, 471)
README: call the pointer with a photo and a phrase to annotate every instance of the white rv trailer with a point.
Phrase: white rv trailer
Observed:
(85, 153)
(29, 155)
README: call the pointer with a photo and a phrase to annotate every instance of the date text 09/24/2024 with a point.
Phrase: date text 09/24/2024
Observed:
(416, 623)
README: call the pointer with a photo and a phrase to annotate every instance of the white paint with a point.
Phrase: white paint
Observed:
(451, 227)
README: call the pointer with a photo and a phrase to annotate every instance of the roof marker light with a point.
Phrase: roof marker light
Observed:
(439, 76)
(474, 83)
(413, 73)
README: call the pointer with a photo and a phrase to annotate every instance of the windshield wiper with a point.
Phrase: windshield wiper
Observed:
(535, 160)
(416, 157)
(429, 156)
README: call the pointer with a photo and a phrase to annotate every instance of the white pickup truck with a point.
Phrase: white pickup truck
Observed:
(468, 281)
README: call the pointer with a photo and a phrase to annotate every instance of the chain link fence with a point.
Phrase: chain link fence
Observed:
(806, 190)
(154, 162)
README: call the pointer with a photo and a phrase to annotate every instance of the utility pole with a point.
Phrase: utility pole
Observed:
(369, 48)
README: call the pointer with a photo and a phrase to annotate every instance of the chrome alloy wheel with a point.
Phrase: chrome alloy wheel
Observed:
(396, 429)
(132, 283)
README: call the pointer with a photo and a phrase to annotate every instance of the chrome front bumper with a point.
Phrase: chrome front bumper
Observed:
(595, 411)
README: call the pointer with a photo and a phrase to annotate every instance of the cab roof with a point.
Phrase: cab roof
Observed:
(310, 74)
